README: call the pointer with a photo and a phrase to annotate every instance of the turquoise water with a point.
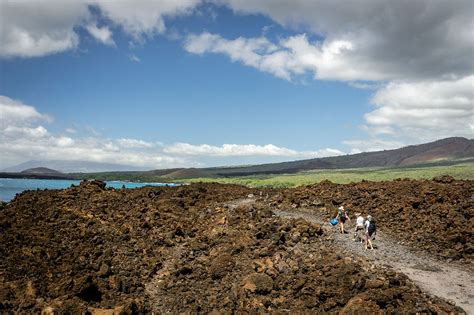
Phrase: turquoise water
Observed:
(9, 187)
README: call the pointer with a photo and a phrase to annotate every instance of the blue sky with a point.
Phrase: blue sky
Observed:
(163, 84)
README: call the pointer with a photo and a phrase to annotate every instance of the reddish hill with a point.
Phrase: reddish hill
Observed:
(445, 149)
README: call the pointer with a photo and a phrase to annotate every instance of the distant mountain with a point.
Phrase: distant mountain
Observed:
(65, 166)
(445, 149)
(41, 171)
(438, 151)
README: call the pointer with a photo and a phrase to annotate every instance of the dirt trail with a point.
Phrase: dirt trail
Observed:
(447, 280)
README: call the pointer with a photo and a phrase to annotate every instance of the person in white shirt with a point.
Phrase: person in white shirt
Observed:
(359, 227)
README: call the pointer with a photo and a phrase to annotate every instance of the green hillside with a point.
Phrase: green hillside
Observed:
(459, 171)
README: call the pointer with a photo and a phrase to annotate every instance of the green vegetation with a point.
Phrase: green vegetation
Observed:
(342, 176)
(463, 170)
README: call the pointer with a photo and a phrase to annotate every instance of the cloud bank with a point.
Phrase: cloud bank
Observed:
(289, 58)
(245, 150)
(40, 28)
(394, 39)
(24, 137)
(426, 109)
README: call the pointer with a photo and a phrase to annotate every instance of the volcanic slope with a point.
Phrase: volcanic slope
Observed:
(187, 249)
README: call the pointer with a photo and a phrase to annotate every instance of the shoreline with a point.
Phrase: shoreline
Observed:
(9, 191)
(53, 177)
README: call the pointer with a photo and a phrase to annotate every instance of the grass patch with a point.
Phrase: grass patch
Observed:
(344, 176)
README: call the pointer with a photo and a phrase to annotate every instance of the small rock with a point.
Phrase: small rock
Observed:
(259, 283)
(374, 284)
(104, 270)
(357, 305)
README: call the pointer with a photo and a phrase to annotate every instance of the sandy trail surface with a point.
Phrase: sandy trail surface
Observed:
(447, 280)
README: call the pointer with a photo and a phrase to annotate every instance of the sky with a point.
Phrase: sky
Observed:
(190, 83)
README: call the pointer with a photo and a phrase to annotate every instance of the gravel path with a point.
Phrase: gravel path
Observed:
(447, 280)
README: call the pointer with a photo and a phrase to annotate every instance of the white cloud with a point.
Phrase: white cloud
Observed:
(91, 149)
(64, 141)
(373, 144)
(327, 60)
(379, 130)
(425, 110)
(134, 143)
(134, 58)
(143, 17)
(40, 28)
(249, 51)
(365, 85)
(37, 28)
(101, 34)
(21, 139)
(24, 44)
(359, 40)
(290, 57)
(29, 132)
(227, 150)
(324, 153)
(389, 39)
(17, 113)
(244, 150)
(416, 112)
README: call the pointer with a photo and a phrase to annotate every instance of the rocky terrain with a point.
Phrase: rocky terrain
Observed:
(436, 216)
(199, 248)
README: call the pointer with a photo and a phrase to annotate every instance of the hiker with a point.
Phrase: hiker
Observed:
(369, 231)
(359, 227)
(342, 217)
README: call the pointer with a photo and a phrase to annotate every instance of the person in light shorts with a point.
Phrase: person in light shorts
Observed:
(342, 217)
(359, 227)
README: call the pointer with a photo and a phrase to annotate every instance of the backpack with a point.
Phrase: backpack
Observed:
(342, 214)
(371, 228)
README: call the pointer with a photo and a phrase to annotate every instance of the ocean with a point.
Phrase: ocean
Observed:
(9, 187)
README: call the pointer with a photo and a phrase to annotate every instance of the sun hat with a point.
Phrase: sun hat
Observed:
(341, 208)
